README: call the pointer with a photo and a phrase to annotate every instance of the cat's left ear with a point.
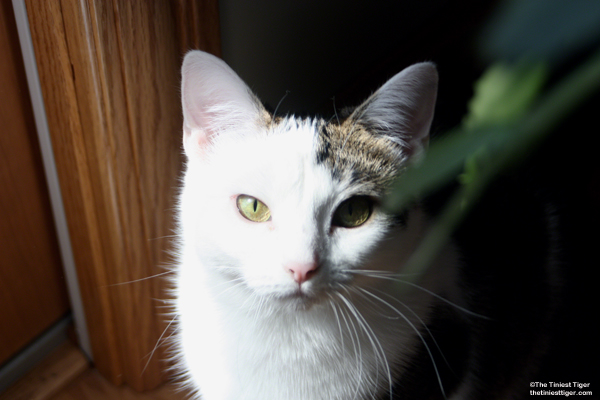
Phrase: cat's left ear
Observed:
(402, 109)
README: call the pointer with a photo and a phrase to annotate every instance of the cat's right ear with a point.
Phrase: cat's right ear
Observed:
(214, 99)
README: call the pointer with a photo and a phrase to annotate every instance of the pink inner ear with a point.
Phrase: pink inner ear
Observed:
(198, 128)
(194, 141)
(199, 125)
(214, 100)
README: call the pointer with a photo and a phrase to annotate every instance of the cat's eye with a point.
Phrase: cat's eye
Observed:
(253, 209)
(353, 212)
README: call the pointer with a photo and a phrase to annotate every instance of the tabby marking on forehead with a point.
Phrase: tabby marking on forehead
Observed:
(354, 153)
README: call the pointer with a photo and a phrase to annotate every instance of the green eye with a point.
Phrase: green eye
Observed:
(253, 209)
(353, 212)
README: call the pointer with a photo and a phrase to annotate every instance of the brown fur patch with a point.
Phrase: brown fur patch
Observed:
(357, 154)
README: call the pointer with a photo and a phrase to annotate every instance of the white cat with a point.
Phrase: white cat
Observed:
(286, 285)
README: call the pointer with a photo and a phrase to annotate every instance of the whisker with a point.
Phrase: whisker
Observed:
(375, 273)
(335, 111)
(139, 280)
(422, 324)
(237, 282)
(437, 296)
(257, 309)
(251, 298)
(337, 318)
(375, 343)
(157, 345)
(385, 316)
(354, 122)
(393, 277)
(163, 237)
(437, 373)
(356, 347)
(278, 104)
(337, 156)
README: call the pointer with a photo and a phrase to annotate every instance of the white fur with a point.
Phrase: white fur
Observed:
(243, 330)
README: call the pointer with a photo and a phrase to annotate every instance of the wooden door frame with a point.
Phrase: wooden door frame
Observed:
(109, 74)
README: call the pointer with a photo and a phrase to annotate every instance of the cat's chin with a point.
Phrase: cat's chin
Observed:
(296, 303)
(298, 300)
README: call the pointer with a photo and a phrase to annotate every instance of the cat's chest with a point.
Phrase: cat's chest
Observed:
(323, 353)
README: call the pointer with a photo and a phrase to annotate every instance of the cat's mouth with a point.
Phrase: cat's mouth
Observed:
(296, 297)
(299, 299)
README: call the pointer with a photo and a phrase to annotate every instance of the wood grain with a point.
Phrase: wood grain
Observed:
(87, 215)
(198, 25)
(110, 80)
(66, 375)
(50, 376)
(32, 290)
(92, 386)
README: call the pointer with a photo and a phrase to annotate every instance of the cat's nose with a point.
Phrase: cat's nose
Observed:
(301, 272)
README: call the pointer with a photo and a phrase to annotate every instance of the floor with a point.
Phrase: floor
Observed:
(67, 375)
(92, 386)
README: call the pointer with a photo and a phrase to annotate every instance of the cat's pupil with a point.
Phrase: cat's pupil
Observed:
(353, 212)
(253, 209)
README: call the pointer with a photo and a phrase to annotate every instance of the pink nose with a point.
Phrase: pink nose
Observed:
(301, 272)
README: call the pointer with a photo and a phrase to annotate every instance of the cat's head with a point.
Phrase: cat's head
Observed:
(289, 207)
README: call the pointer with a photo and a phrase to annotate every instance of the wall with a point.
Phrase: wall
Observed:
(317, 49)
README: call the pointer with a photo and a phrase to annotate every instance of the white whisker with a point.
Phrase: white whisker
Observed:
(356, 348)
(278, 104)
(157, 344)
(337, 318)
(395, 277)
(236, 282)
(422, 324)
(139, 280)
(416, 331)
(375, 343)
(163, 237)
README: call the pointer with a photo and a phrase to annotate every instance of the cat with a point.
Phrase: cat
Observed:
(289, 271)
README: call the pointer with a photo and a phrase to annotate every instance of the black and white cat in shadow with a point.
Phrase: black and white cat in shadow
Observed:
(288, 272)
